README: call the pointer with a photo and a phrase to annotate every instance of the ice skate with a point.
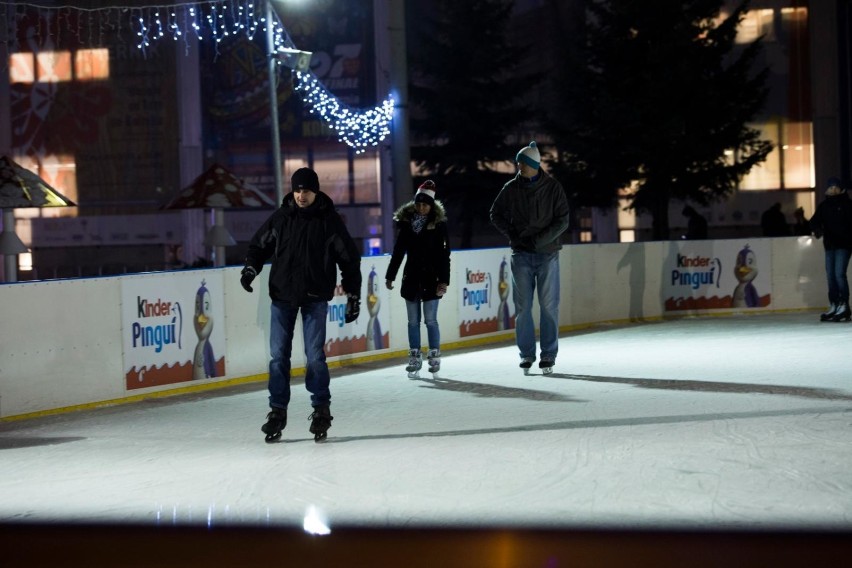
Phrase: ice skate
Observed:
(415, 363)
(827, 315)
(526, 364)
(275, 423)
(546, 366)
(434, 359)
(843, 312)
(320, 422)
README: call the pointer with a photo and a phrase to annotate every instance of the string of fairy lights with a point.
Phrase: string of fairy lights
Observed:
(212, 20)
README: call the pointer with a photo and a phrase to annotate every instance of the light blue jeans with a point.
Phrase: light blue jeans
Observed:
(836, 263)
(281, 347)
(531, 271)
(430, 314)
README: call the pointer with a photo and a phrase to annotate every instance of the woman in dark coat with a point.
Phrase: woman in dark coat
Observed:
(832, 221)
(423, 237)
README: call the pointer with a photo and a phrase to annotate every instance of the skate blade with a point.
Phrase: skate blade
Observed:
(547, 370)
(414, 374)
(270, 438)
(320, 438)
(526, 372)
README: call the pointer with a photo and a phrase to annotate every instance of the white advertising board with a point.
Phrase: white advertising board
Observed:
(173, 328)
(717, 275)
(485, 293)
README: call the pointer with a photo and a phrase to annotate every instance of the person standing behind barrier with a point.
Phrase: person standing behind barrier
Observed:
(773, 223)
(832, 221)
(696, 226)
(532, 212)
(801, 226)
(424, 239)
(306, 240)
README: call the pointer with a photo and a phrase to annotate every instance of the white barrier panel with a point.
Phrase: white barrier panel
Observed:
(67, 344)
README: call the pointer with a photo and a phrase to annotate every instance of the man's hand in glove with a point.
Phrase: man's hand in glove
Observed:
(353, 308)
(247, 275)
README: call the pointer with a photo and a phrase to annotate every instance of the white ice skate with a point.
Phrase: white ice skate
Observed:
(434, 359)
(415, 363)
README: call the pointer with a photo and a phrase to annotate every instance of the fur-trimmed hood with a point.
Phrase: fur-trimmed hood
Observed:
(406, 213)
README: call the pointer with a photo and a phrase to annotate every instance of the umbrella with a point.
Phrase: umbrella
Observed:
(216, 189)
(19, 189)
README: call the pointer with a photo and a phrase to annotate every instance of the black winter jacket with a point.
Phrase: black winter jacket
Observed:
(832, 221)
(532, 214)
(428, 251)
(306, 246)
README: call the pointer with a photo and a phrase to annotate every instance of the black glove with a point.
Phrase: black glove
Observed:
(248, 275)
(353, 308)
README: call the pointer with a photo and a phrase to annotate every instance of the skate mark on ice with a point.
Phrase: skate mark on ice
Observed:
(582, 424)
(714, 386)
(493, 391)
(15, 443)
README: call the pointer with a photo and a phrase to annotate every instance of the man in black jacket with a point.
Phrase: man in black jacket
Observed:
(307, 241)
(832, 221)
(532, 212)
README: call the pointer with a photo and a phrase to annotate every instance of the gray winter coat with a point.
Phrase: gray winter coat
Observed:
(532, 214)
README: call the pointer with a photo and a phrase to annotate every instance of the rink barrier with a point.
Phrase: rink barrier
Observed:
(61, 347)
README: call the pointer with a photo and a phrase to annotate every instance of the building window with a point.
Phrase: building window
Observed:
(757, 23)
(91, 64)
(53, 66)
(56, 67)
(790, 164)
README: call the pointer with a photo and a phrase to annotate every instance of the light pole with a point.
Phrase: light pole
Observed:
(271, 62)
(293, 59)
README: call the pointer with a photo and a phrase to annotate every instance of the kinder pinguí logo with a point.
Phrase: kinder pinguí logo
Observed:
(161, 324)
(696, 271)
(477, 290)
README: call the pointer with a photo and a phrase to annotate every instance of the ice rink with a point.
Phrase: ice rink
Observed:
(715, 423)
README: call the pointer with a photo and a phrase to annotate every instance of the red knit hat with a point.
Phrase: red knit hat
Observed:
(425, 193)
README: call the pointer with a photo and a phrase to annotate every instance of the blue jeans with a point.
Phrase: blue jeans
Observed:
(281, 347)
(531, 270)
(836, 263)
(430, 314)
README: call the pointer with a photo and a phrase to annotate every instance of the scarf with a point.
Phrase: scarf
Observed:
(418, 222)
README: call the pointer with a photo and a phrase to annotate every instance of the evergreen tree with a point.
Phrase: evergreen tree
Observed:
(466, 89)
(659, 99)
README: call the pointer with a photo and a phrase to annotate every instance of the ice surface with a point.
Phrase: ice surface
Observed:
(723, 422)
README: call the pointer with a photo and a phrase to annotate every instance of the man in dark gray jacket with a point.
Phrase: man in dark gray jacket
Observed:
(532, 211)
(307, 241)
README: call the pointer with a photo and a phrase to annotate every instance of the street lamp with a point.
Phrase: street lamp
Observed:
(293, 59)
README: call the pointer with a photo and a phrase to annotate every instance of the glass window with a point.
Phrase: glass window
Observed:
(757, 23)
(54, 66)
(21, 68)
(766, 175)
(366, 173)
(91, 64)
(798, 153)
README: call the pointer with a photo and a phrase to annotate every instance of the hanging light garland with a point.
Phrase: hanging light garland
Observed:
(214, 20)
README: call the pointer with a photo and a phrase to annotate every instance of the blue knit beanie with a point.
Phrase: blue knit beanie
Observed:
(529, 156)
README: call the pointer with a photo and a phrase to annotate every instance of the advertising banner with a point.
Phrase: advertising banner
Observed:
(370, 331)
(172, 328)
(717, 275)
(485, 295)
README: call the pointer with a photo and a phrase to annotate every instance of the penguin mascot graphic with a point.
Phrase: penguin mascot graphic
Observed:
(374, 327)
(204, 363)
(504, 320)
(745, 270)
